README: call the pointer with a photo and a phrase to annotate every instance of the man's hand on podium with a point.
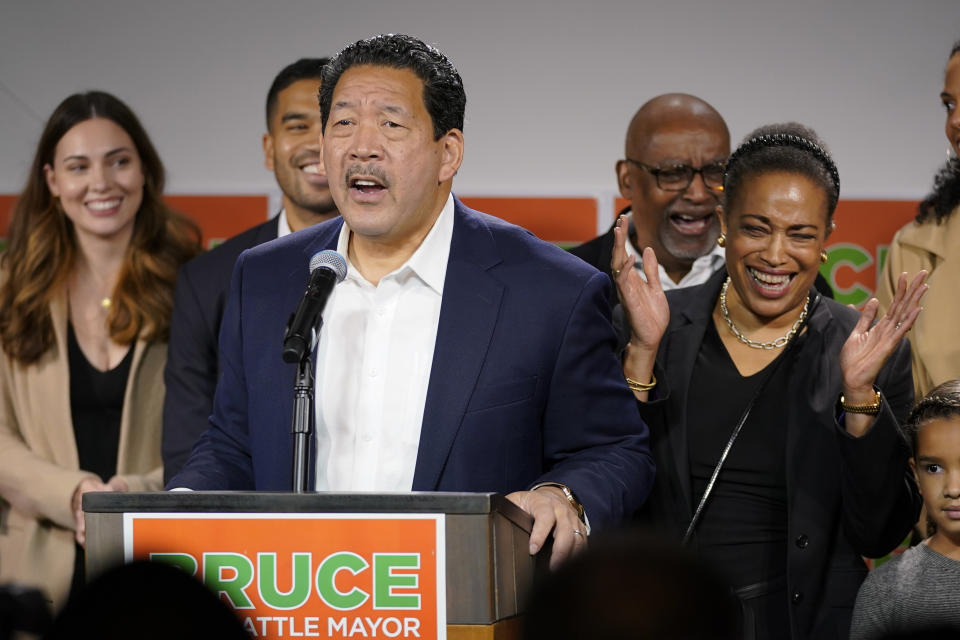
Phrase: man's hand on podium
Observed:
(552, 511)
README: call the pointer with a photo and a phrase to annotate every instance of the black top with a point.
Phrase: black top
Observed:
(96, 402)
(743, 527)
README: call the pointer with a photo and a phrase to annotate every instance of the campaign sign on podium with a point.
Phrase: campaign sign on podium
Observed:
(362, 575)
(334, 565)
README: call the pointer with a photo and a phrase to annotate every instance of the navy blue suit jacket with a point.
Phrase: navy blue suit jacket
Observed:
(525, 385)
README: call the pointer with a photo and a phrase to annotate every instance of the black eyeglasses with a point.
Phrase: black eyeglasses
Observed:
(678, 177)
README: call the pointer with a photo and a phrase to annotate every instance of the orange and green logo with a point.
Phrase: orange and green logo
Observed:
(309, 575)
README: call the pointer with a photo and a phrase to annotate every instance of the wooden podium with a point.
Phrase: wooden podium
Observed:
(478, 563)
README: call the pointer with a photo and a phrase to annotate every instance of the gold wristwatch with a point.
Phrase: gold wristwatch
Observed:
(572, 499)
(869, 408)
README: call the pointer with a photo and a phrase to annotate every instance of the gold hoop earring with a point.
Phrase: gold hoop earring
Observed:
(722, 240)
(824, 257)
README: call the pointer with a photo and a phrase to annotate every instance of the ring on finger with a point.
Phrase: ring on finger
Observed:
(577, 532)
(616, 273)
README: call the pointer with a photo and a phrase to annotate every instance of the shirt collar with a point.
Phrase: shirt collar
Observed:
(283, 227)
(428, 262)
(715, 258)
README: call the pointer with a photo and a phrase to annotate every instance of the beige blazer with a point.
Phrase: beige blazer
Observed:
(38, 456)
(934, 338)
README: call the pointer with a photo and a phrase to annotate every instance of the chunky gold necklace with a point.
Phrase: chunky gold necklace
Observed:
(779, 343)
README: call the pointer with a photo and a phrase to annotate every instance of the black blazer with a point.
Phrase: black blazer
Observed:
(846, 497)
(599, 251)
(192, 367)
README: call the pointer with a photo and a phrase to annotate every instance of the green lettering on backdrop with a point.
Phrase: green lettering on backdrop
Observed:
(882, 251)
(385, 580)
(299, 581)
(217, 568)
(326, 574)
(852, 256)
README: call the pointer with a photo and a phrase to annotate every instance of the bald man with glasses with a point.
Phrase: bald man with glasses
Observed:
(676, 148)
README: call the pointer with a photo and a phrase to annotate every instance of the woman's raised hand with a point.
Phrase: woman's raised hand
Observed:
(644, 304)
(870, 344)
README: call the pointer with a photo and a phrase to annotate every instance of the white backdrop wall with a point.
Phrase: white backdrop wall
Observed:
(551, 85)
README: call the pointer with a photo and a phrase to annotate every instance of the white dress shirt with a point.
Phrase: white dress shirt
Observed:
(373, 367)
(703, 267)
(283, 227)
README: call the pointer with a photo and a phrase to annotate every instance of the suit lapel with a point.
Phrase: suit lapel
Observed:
(296, 270)
(326, 238)
(468, 316)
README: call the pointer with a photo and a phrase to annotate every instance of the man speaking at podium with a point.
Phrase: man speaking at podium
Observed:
(460, 353)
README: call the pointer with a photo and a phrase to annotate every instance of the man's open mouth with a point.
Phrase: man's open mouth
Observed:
(691, 225)
(366, 185)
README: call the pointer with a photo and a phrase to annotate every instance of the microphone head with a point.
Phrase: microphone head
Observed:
(329, 259)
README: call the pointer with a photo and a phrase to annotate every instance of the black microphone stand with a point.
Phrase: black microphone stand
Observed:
(302, 423)
(303, 417)
(327, 268)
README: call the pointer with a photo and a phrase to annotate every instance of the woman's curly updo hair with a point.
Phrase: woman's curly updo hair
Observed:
(790, 147)
(945, 197)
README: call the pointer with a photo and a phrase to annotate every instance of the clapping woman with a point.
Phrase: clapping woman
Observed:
(86, 288)
(774, 412)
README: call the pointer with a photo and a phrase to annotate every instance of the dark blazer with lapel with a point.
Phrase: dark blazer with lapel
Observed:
(192, 364)
(598, 252)
(525, 385)
(846, 497)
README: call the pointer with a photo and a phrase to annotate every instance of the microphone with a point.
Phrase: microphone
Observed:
(327, 268)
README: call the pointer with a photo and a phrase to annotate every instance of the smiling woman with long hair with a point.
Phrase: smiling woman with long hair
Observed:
(85, 302)
(774, 413)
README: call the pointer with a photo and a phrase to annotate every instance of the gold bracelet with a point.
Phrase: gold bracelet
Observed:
(870, 408)
(641, 386)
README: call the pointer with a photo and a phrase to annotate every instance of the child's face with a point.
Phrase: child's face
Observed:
(936, 468)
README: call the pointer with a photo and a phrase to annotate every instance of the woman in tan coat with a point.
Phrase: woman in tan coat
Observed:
(85, 301)
(932, 242)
